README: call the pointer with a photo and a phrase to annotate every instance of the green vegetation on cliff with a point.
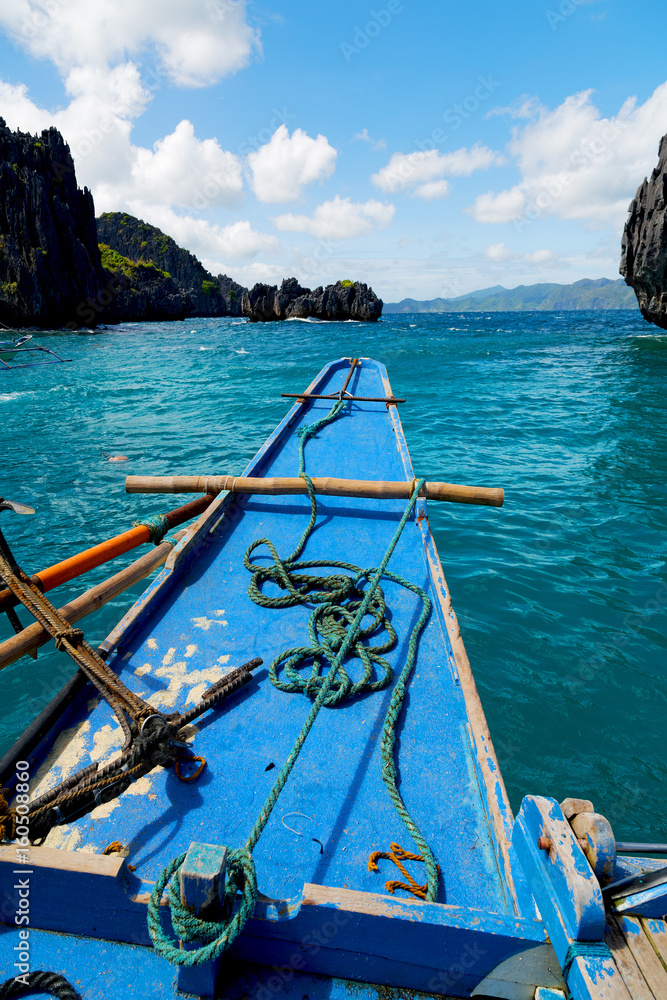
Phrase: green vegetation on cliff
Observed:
(139, 242)
(115, 262)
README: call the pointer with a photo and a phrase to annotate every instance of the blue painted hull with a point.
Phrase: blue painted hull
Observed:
(319, 900)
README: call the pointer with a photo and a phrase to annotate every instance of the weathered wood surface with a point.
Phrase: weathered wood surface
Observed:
(639, 943)
(323, 485)
(568, 897)
(332, 931)
(202, 881)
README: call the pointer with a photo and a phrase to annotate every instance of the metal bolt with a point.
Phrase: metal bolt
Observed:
(544, 843)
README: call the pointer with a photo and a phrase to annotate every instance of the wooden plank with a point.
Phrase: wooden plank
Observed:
(81, 862)
(626, 962)
(644, 953)
(597, 979)
(202, 880)
(332, 931)
(656, 931)
(565, 889)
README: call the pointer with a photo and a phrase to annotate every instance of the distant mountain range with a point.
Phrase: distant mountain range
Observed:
(598, 293)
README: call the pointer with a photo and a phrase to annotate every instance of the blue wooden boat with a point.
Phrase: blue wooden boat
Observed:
(518, 909)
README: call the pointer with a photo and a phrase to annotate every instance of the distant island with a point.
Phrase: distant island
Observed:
(589, 293)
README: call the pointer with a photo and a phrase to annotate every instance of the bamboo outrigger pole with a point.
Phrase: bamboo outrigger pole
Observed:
(34, 635)
(327, 486)
(70, 568)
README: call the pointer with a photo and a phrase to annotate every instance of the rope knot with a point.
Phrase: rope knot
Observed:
(212, 937)
(71, 635)
(157, 525)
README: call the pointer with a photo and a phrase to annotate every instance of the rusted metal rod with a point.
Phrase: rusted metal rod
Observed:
(326, 486)
(68, 569)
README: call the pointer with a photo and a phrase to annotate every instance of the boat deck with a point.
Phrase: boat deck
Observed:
(195, 623)
(335, 809)
(639, 948)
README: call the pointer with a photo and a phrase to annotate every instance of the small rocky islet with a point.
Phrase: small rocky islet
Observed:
(62, 267)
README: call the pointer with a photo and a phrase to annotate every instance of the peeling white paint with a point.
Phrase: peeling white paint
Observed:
(223, 659)
(145, 669)
(205, 623)
(219, 612)
(142, 786)
(63, 837)
(168, 656)
(190, 651)
(179, 679)
(151, 643)
(65, 757)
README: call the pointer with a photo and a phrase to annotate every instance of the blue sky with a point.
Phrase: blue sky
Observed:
(426, 148)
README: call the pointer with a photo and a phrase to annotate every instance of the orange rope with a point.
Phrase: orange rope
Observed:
(397, 855)
(190, 760)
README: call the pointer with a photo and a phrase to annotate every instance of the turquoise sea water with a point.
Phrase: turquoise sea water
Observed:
(561, 594)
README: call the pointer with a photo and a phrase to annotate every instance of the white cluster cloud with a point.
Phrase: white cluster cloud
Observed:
(500, 254)
(339, 219)
(576, 164)
(424, 172)
(180, 170)
(286, 164)
(194, 43)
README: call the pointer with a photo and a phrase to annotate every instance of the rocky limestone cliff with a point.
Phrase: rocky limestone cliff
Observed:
(49, 258)
(342, 301)
(644, 244)
(145, 244)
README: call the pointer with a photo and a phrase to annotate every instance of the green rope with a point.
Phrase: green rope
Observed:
(157, 525)
(584, 949)
(334, 631)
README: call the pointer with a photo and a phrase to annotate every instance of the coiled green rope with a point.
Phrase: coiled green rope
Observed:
(328, 619)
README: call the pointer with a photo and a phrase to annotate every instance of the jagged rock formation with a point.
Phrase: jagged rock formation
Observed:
(52, 270)
(342, 301)
(145, 244)
(135, 291)
(49, 258)
(644, 244)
